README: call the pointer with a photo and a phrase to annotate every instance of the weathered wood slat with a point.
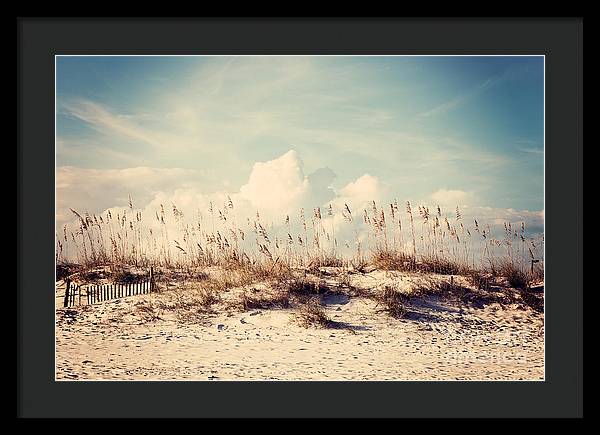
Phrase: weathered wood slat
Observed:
(67, 285)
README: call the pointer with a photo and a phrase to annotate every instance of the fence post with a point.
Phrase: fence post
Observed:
(532, 263)
(79, 291)
(151, 279)
(67, 288)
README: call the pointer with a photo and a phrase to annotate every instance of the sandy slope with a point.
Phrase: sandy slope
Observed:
(437, 340)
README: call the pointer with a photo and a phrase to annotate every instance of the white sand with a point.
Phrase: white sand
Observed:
(437, 340)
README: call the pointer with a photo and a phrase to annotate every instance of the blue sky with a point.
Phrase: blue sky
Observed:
(455, 129)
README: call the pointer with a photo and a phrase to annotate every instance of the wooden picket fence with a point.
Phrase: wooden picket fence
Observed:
(84, 294)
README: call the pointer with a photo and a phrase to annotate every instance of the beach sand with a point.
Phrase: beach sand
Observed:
(438, 339)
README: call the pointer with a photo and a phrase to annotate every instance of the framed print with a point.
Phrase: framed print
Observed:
(227, 219)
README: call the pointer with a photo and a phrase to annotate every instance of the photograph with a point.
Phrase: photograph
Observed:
(299, 218)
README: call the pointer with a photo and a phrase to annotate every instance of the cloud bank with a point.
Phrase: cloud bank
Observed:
(274, 189)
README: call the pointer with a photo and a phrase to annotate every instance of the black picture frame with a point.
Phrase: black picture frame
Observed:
(560, 40)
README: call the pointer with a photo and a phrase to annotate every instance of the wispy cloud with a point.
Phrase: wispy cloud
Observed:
(536, 151)
(105, 121)
(461, 99)
(528, 146)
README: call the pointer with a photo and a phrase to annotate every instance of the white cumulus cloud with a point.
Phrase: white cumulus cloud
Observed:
(451, 197)
(278, 185)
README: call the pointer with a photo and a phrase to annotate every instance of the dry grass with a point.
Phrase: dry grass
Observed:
(190, 303)
(394, 302)
(65, 269)
(312, 314)
(515, 276)
(442, 266)
(451, 290)
(124, 276)
(305, 287)
(147, 311)
(445, 288)
(392, 260)
(93, 276)
(325, 260)
(387, 237)
(263, 299)
(386, 259)
(533, 300)
(480, 280)
(359, 264)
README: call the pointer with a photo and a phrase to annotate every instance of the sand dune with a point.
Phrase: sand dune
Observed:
(438, 339)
